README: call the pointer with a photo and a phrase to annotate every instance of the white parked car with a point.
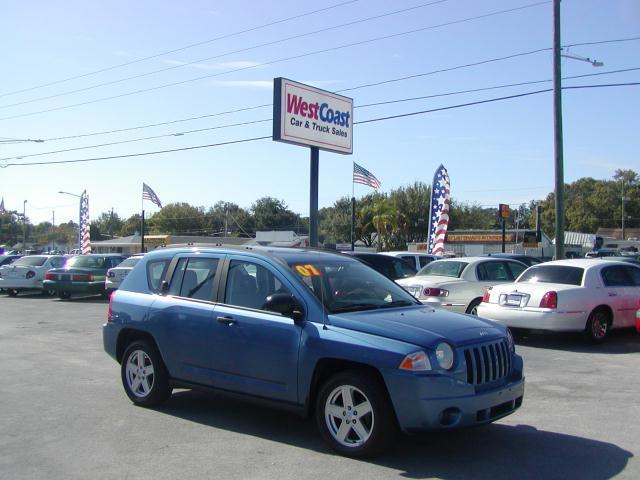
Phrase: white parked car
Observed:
(116, 275)
(586, 295)
(416, 259)
(459, 283)
(27, 272)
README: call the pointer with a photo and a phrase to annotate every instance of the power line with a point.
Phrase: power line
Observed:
(181, 65)
(475, 90)
(204, 42)
(255, 107)
(355, 123)
(281, 60)
(246, 140)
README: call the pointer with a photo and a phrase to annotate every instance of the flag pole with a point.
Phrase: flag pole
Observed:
(142, 225)
(353, 213)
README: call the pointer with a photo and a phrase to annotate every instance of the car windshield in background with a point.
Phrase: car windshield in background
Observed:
(444, 269)
(86, 261)
(553, 274)
(30, 261)
(130, 262)
(344, 285)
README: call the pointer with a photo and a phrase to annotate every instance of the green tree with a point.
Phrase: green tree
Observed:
(107, 225)
(131, 225)
(335, 222)
(273, 214)
(178, 219)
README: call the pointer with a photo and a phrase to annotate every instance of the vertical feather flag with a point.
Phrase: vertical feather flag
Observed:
(85, 224)
(439, 210)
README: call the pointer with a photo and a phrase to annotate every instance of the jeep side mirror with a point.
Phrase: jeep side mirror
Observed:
(285, 304)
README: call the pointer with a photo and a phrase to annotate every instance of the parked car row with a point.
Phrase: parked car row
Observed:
(58, 274)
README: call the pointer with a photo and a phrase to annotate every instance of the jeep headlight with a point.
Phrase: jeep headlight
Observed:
(510, 342)
(445, 356)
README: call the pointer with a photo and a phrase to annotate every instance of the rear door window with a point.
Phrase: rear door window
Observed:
(196, 278)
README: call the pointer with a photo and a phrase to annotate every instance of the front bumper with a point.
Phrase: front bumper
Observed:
(434, 402)
(534, 318)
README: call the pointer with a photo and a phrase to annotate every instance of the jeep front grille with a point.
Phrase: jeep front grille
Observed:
(488, 362)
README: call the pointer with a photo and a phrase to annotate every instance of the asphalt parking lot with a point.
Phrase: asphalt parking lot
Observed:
(64, 415)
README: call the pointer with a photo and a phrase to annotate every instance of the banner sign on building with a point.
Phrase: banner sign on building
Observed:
(308, 116)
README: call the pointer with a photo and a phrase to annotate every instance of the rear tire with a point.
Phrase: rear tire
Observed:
(12, 292)
(144, 375)
(598, 325)
(65, 295)
(472, 309)
(350, 432)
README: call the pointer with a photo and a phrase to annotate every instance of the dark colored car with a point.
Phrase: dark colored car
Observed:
(8, 259)
(82, 274)
(313, 331)
(391, 267)
(528, 260)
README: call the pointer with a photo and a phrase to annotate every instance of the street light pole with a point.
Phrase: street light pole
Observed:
(557, 130)
(24, 226)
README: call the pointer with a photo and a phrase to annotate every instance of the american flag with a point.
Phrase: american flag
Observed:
(85, 224)
(439, 214)
(364, 176)
(149, 194)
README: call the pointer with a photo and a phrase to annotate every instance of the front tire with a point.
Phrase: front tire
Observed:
(144, 375)
(12, 292)
(598, 325)
(64, 295)
(354, 414)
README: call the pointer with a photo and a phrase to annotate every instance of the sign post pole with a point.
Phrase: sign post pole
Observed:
(313, 197)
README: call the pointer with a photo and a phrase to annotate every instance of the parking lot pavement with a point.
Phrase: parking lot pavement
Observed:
(64, 415)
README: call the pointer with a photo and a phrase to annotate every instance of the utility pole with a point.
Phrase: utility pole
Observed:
(24, 226)
(622, 209)
(557, 130)
(226, 218)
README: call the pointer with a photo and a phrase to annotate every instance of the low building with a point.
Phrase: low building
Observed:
(480, 242)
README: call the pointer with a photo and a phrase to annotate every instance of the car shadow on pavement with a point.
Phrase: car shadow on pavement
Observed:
(619, 341)
(495, 451)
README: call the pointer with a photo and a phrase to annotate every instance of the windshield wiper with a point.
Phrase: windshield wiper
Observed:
(396, 303)
(354, 307)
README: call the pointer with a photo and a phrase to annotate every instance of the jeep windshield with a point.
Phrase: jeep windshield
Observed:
(347, 285)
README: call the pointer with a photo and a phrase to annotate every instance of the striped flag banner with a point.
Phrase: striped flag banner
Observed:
(365, 177)
(439, 210)
(149, 194)
(85, 224)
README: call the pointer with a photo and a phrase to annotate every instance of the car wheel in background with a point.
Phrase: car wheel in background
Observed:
(473, 307)
(144, 375)
(597, 327)
(12, 292)
(48, 292)
(354, 414)
(64, 295)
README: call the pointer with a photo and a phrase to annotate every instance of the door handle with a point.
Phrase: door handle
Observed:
(227, 320)
(613, 294)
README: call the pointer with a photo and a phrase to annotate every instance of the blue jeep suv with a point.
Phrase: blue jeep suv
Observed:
(311, 330)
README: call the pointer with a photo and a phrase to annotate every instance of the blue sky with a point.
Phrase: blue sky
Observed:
(500, 152)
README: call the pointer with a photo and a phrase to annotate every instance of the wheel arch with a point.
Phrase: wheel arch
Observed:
(325, 368)
(129, 335)
(604, 308)
(474, 300)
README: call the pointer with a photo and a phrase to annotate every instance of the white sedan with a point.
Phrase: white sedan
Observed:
(27, 272)
(458, 283)
(592, 296)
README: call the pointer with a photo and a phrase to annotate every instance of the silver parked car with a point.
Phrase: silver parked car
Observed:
(27, 273)
(458, 283)
(116, 275)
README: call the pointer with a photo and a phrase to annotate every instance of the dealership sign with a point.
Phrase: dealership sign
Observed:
(311, 117)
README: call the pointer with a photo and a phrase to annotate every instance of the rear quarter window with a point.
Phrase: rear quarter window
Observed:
(156, 270)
